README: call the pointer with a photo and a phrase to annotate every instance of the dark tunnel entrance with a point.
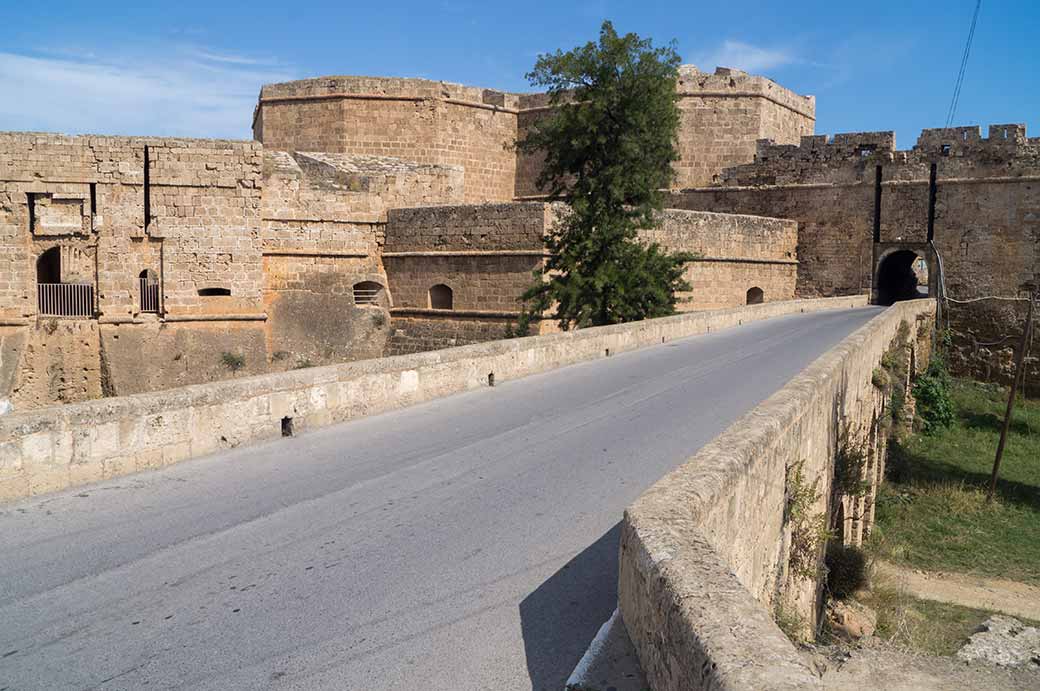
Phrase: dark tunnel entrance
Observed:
(901, 275)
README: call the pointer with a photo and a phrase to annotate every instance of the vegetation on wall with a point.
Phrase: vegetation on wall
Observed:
(891, 378)
(932, 393)
(233, 361)
(609, 145)
(808, 527)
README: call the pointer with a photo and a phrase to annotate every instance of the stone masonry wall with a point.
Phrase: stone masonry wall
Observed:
(195, 225)
(487, 255)
(986, 225)
(324, 219)
(431, 123)
(61, 363)
(439, 123)
(62, 446)
(704, 556)
(736, 254)
(204, 201)
(722, 114)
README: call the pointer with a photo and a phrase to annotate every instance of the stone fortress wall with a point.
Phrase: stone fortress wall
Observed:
(425, 122)
(255, 254)
(275, 253)
(487, 255)
(99, 211)
(324, 240)
(438, 123)
(858, 200)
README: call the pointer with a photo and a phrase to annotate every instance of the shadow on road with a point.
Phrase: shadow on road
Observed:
(561, 617)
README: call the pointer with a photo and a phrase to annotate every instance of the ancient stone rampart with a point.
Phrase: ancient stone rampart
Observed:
(723, 113)
(203, 207)
(440, 123)
(63, 446)
(737, 256)
(426, 122)
(857, 199)
(98, 214)
(705, 552)
(486, 255)
(324, 220)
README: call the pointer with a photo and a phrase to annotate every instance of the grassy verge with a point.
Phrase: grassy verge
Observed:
(923, 626)
(932, 513)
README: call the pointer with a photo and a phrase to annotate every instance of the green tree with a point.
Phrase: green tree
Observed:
(608, 142)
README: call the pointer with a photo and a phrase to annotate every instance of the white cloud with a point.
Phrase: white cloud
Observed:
(173, 90)
(744, 56)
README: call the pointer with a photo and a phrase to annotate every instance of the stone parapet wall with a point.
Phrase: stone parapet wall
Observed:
(330, 87)
(704, 552)
(853, 156)
(62, 446)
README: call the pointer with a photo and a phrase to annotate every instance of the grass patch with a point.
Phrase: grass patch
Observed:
(923, 626)
(932, 513)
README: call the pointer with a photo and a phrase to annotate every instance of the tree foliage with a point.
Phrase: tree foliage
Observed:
(608, 142)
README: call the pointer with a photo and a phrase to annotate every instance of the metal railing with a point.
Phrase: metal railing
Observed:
(149, 295)
(65, 299)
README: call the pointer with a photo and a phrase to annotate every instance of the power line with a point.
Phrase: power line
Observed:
(964, 65)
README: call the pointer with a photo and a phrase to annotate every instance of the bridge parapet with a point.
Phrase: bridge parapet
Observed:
(63, 446)
(706, 552)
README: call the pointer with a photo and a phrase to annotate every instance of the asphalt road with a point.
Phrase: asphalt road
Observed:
(466, 543)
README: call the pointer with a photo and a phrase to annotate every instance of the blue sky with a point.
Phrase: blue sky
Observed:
(190, 68)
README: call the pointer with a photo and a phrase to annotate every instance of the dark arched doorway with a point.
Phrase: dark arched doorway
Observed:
(897, 278)
(441, 297)
(48, 266)
(755, 296)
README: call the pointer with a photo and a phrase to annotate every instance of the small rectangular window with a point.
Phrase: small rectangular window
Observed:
(945, 150)
(210, 292)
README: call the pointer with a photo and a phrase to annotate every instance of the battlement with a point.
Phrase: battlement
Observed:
(820, 147)
(964, 141)
(844, 157)
(944, 141)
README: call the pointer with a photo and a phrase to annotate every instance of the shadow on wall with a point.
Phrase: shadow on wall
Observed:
(561, 617)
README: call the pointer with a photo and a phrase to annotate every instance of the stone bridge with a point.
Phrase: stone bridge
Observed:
(330, 523)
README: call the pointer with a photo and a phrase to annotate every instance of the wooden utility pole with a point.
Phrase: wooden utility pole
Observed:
(1019, 361)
